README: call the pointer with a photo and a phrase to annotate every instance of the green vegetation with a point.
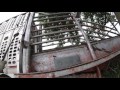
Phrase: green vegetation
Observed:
(113, 69)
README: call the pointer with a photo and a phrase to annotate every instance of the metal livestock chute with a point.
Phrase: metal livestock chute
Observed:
(32, 50)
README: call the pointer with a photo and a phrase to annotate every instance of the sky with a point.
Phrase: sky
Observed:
(6, 15)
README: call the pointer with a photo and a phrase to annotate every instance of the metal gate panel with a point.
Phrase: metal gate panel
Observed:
(16, 25)
(52, 37)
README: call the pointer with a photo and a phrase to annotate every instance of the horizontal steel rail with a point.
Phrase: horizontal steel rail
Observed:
(64, 16)
(51, 14)
(56, 32)
(55, 40)
(52, 27)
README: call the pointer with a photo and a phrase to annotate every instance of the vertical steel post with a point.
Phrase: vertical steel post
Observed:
(26, 50)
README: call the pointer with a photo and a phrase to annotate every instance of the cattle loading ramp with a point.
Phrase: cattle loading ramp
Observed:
(38, 53)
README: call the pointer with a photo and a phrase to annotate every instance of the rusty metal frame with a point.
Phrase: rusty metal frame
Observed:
(81, 67)
(26, 49)
(95, 54)
(70, 70)
(104, 36)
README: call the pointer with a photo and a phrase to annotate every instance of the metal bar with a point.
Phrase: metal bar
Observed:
(96, 37)
(21, 21)
(43, 13)
(56, 39)
(3, 33)
(99, 33)
(64, 16)
(26, 17)
(114, 26)
(67, 34)
(86, 39)
(117, 14)
(97, 24)
(46, 34)
(51, 14)
(14, 17)
(59, 43)
(52, 36)
(100, 29)
(88, 26)
(68, 71)
(26, 51)
(8, 24)
(56, 36)
(55, 27)
(16, 21)
(51, 22)
(98, 72)
(3, 28)
(74, 25)
(11, 24)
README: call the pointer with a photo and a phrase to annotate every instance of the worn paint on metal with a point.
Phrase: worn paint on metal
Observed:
(49, 64)
(45, 61)
(71, 70)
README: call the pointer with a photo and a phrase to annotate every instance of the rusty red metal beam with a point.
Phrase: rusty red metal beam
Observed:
(68, 71)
